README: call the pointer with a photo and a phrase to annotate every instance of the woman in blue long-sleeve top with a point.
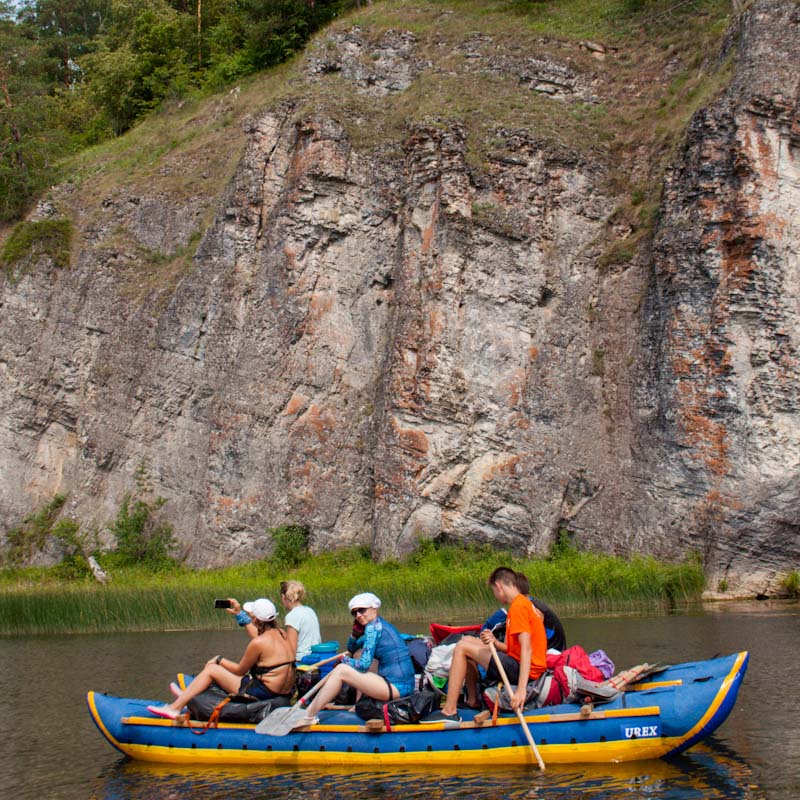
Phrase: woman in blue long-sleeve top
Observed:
(382, 642)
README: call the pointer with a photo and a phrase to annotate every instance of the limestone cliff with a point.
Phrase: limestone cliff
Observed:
(391, 337)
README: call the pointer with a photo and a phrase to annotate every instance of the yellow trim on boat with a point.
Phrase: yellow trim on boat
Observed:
(646, 711)
(627, 750)
(641, 687)
(99, 722)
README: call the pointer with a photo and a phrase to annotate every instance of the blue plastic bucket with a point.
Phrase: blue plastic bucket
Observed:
(319, 652)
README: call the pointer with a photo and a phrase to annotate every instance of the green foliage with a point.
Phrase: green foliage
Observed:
(76, 546)
(31, 240)
(791, 583)
(28, 143)
(598, 362)
(73, 73)
(563, 547)
(72, 568)
(67, 532)
(29, 538)
(425, 549)
(141, 537)
(150, 63)
(290, 545)
(65, 31)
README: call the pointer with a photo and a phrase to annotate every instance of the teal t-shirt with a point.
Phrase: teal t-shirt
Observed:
(304, 620)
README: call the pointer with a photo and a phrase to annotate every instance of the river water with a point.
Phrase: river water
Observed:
(51, 750)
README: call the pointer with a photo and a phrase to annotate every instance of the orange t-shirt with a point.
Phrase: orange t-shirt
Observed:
(523, 619)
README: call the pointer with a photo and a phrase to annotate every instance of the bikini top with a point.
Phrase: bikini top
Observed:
(258, 672)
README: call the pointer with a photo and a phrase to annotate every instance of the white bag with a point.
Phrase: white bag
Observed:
(440, 659)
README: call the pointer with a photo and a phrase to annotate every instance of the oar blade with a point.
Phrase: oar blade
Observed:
(281, 721)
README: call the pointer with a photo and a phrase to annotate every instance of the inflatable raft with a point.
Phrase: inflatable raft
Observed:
(661, 715)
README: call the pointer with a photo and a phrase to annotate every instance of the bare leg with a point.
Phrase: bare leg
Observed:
(211, 673)
(366, 682)
(472, 683)
(469, 652)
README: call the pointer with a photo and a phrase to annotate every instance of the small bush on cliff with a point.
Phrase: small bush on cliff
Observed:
(791, 583)
(291, 545)
(142, 538)
(30, 537)
(563, 546)
(76, 546)
(31, 240)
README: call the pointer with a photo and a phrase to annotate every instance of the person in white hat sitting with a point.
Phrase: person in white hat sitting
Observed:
(382, 642)
(265, 671)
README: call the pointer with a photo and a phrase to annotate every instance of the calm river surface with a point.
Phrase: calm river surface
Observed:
(51, 750)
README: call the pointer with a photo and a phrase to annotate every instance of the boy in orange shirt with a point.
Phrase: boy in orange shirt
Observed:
(522, 654)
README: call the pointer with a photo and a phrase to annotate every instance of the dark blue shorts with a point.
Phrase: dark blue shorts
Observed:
(255, 688)
(510, 665)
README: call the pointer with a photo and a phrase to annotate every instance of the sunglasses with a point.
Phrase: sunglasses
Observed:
(356, 611)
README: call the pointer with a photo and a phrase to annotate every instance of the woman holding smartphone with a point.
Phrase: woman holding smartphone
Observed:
(302, 625)
(265, 671)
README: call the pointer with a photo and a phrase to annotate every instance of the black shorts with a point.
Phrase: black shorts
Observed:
(510, 665)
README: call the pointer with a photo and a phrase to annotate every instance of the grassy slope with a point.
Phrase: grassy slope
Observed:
(660, 66)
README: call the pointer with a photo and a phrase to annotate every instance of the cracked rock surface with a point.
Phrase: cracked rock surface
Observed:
(383, 348)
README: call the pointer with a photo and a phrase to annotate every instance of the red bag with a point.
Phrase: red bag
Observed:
(577, 658)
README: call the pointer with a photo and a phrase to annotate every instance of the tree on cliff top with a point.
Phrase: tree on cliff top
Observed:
(73, 72)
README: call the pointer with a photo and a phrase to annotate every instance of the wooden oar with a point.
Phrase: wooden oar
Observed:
(520, 716)
(283, 720)
(308, 667)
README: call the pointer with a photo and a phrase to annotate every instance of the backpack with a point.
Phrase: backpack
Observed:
(236, 708)
(408, 710)
(556, 686)
(420, 650)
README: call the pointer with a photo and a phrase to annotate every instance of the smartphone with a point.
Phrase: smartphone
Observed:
(222, 604)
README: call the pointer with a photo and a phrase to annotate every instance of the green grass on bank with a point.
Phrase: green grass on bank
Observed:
(444, 584)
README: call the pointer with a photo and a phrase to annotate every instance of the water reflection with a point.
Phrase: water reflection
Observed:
(710, 771)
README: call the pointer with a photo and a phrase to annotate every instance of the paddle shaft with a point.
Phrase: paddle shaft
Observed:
(306, 698)
(307, 667)
(520, 716)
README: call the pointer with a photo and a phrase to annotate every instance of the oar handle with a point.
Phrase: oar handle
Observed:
(507, 684)
(307, 667)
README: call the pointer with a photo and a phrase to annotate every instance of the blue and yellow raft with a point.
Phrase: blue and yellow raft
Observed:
(657, 717)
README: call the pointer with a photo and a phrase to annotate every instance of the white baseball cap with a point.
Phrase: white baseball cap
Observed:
(262, 609)
(364, 600)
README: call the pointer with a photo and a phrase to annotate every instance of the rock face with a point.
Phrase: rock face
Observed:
(718, 401)
(388, 348)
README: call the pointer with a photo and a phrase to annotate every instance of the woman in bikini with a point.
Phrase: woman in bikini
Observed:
(266, 670)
